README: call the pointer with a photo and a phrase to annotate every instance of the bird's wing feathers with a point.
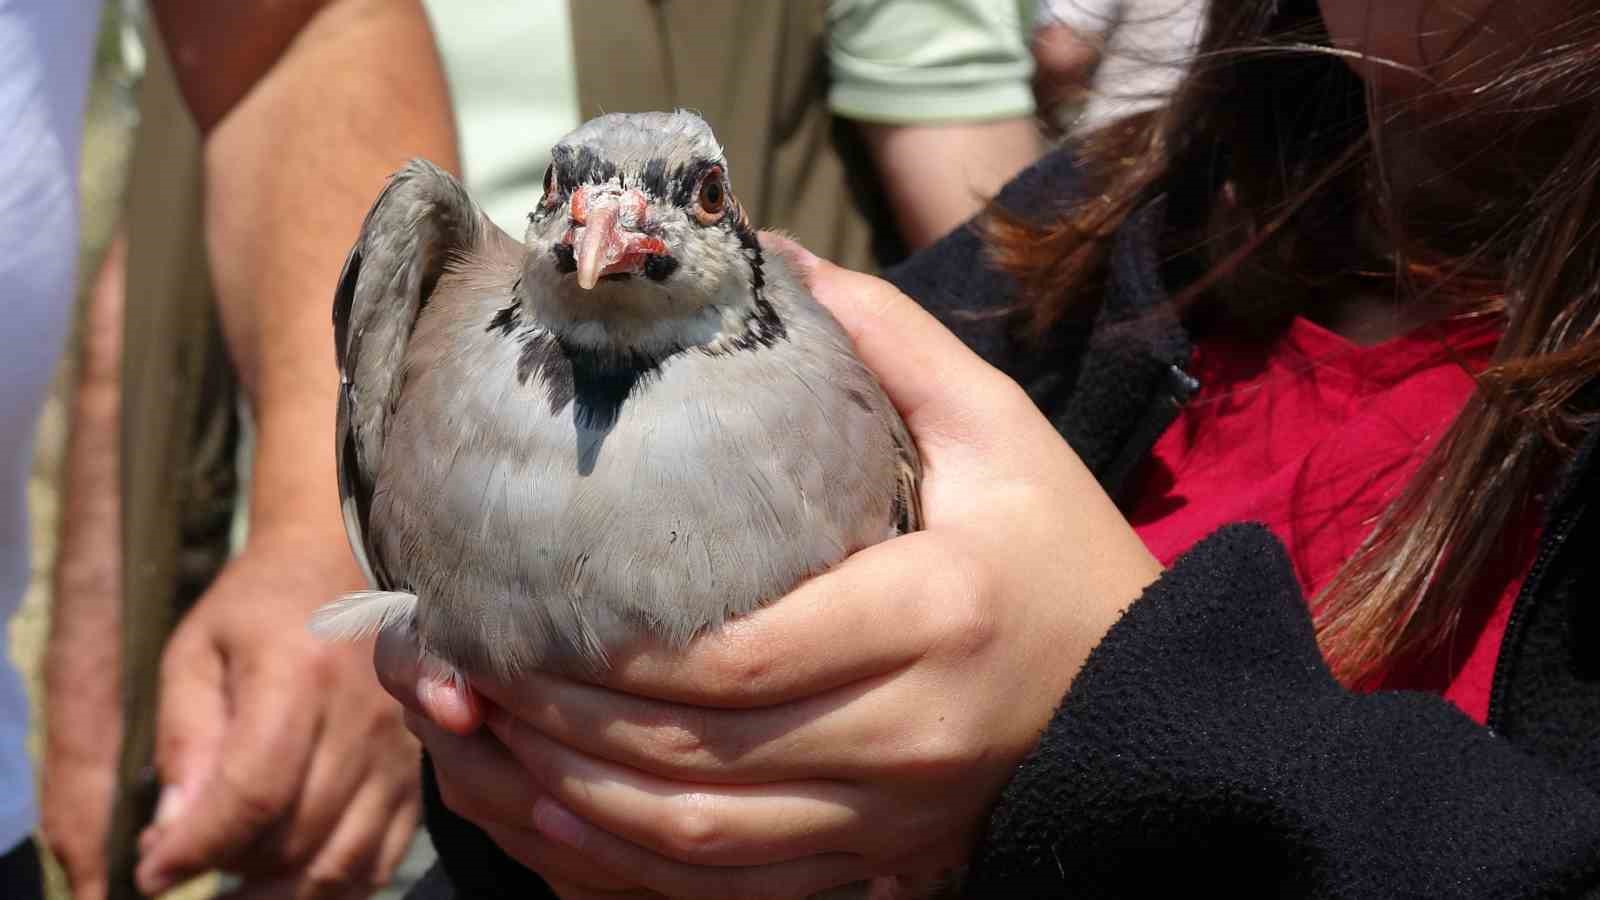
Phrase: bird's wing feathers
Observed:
(421, 224)
(908, 472)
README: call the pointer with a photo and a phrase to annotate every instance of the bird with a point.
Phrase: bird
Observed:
(633, 425)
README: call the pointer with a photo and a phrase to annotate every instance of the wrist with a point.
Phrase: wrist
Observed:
(311, 548)
(293, 482)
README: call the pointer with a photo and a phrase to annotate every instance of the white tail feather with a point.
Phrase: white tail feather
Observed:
(363, 614)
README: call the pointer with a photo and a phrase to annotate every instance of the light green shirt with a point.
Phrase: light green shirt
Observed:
(513, 84)
(930, 61)
(515, 94)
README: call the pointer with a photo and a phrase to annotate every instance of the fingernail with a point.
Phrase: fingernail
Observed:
(171, 803)
(553, 821)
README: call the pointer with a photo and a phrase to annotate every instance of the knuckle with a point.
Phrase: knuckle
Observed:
(258, 803)
(942, 752)
(322, 667)
(1004, 395)
(959, 613)
(694, 832)
(381, 727)
(679, 738)
(740, 661)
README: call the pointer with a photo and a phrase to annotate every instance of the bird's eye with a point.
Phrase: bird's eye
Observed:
(713, 197)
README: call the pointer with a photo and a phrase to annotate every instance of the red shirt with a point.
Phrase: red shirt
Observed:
(1313, 436)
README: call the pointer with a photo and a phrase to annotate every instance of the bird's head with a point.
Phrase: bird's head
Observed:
(638, 239)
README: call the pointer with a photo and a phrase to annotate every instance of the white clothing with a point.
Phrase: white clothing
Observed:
(45, 59)
(1148, 44)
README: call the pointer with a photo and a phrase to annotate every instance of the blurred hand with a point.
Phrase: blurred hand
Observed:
(281, 759)
(861, 726)
(80, 776)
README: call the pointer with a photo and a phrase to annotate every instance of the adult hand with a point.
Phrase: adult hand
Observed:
(280, 757)
(864, 724)
(80, 775)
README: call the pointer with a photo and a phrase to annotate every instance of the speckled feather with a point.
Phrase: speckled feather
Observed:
(536, 475)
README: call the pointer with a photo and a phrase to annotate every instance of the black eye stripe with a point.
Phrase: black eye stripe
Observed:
(573, 166)
(653, 178)
(580, 165)
(686, 180)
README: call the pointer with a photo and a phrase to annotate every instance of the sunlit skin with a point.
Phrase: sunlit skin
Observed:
(1412, 45)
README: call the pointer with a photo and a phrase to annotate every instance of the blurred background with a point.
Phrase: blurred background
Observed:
(1088, 61)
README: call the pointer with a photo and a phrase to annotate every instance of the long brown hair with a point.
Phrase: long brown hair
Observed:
(1281, 193)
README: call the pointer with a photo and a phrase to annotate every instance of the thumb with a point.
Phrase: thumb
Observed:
(946, 394)
(425, 684)
(191, 718)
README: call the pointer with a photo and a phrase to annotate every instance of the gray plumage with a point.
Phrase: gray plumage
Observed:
(633, 424)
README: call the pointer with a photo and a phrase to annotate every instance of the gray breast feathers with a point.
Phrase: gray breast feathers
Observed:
(525, 502)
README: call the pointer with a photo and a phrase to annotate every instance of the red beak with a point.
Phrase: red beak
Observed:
(607, 236)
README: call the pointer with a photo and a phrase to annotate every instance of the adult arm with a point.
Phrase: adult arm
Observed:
(939, 176)
(941, 94)
(83, 717)
(279, 756)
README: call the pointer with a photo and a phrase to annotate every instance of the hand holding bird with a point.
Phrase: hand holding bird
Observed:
(861, 725)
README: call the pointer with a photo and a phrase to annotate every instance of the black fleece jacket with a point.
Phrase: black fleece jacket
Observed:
(1205, 744)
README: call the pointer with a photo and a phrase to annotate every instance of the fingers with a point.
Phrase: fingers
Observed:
(359, 856)
(825, 634)
(776, 695)
(478, 777)
(425, 685)
(85, 871)
(795, 878)
(841, 734)
(260, 765)
(350, 863)
(721, 826)
(322, 801)
(403, 830)
(191, 719)
(76, 804)
(480, 781)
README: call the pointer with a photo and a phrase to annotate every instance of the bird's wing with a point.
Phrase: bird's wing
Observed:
(908, 478)
(421, 223)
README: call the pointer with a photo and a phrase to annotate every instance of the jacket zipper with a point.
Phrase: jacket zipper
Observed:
(1560, 525)
(1179, 388)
